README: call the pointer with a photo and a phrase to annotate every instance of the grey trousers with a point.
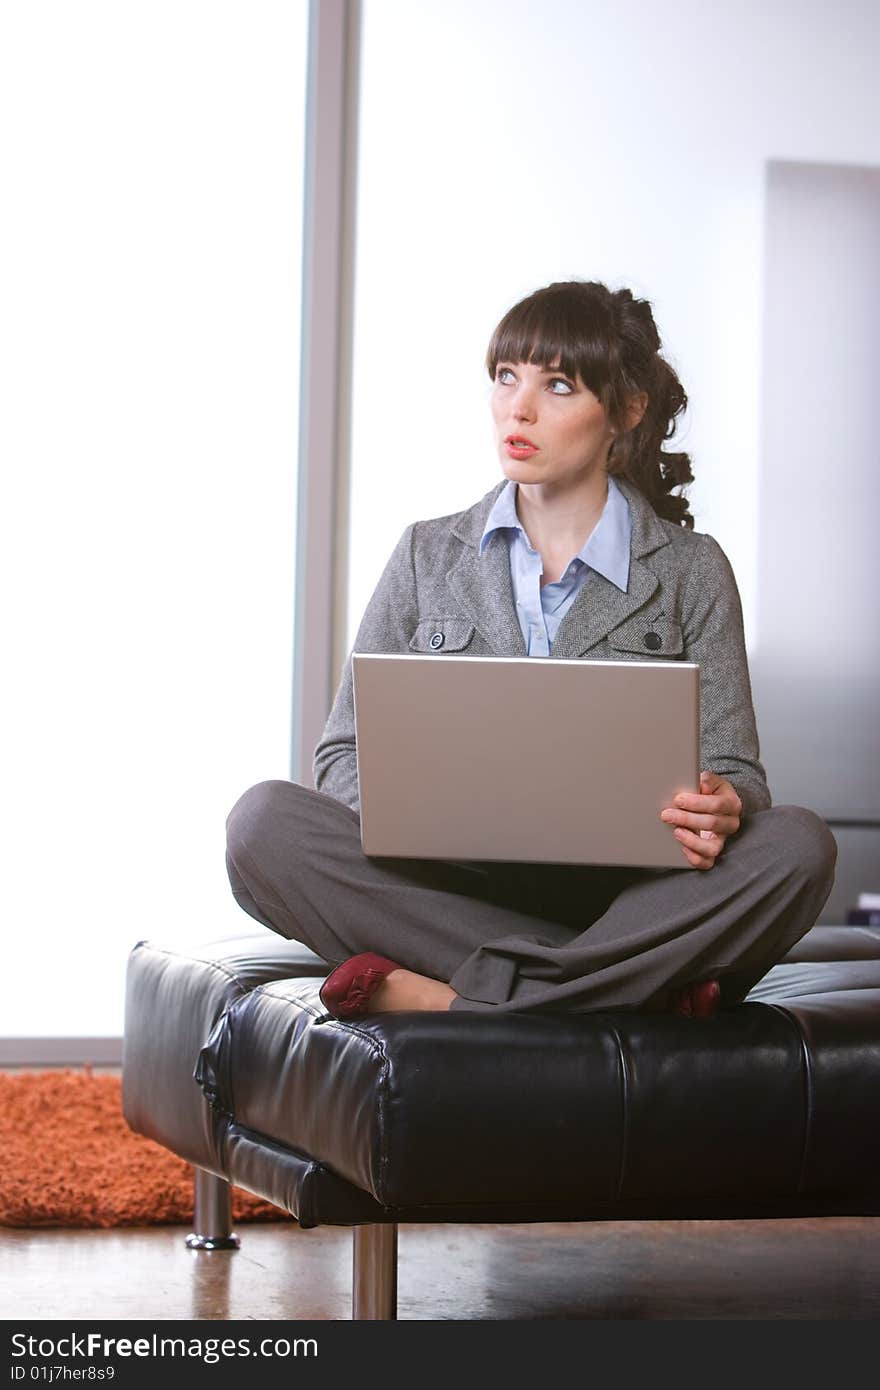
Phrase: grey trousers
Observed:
(533, 937)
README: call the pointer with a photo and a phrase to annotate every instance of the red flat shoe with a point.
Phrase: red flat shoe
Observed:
(697, 1001)
(347, 990)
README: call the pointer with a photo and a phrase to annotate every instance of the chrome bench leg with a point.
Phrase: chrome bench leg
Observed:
(212, 1217)
(374, 1284)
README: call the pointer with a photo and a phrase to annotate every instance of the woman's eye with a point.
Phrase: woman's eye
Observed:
(504, 375)
(560, 387)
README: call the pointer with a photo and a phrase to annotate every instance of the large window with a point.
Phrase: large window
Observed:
(150, 255)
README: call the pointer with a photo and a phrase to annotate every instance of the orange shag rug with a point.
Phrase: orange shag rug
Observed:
(67, 1158)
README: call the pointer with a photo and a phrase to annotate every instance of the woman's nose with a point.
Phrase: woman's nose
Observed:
(524, 404)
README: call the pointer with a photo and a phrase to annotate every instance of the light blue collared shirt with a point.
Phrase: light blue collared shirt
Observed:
(540, 611)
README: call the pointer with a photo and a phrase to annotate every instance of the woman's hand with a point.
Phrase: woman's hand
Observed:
(704, 820)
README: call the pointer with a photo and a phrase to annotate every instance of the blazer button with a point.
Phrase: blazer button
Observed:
(653, 641)
(437, 640)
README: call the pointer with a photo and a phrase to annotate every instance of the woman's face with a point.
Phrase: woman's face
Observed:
(549, 428)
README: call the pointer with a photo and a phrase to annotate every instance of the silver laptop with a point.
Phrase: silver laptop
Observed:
(529, 759)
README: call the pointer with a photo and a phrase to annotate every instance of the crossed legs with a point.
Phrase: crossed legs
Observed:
(527, 937)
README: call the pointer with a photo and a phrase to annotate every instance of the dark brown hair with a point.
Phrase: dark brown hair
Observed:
(610, 341)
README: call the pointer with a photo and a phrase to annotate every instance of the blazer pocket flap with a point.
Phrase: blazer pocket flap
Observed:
(644, 638)
(442, 635)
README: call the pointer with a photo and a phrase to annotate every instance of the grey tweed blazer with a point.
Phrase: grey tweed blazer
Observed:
(681, 588)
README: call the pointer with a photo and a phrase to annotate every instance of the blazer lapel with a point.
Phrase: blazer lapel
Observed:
(482, 585)
(601, 606)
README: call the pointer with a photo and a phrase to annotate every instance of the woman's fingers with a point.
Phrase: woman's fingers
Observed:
(693, 820)
(702, 821)
(701, 849)
(715, 808)
(711, 784)
(716, 804)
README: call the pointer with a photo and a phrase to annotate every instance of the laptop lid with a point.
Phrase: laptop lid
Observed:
(531, 759)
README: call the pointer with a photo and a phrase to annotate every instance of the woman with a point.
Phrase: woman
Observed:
(584, 550)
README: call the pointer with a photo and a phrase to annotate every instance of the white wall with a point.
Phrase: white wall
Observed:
(505, 144)
(816, 671)
(150, 176)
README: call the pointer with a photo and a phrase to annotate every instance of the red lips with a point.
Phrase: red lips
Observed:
(518, 447)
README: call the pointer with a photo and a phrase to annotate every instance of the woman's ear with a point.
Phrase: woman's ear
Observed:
(635, 409)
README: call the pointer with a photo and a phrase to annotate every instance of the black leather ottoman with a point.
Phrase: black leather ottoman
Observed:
(768, 1109)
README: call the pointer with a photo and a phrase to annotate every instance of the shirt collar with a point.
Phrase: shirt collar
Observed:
(607, 549)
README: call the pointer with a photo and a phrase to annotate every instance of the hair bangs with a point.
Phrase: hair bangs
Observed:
(552, 330)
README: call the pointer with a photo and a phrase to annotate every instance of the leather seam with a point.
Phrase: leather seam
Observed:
(198, 960)
(258, 1138)
(624, 1104)
(378, 1051)
(266, 1146)
(809, 1092)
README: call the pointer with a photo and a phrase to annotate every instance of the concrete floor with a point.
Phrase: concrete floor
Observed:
(800, 1269)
